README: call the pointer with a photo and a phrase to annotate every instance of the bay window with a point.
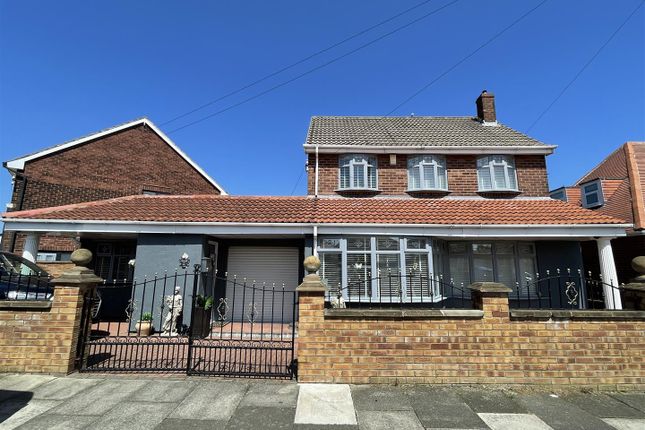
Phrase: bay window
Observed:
(357, 172)
(496, 173)
(427, 172)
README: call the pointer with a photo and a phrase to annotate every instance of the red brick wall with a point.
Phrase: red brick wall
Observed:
(462, 174)
(117, 165)
(495, 349)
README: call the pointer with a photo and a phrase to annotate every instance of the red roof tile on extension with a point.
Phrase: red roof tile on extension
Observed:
(307, 210)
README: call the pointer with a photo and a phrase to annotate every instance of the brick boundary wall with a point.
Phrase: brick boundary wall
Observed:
(485, 345)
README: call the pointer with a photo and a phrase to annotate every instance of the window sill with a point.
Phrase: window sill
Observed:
(25, 304)
(499, 193)
(405, 314)
(364, 191)
(433, 191)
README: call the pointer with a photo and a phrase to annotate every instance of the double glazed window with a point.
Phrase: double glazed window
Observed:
(427, 172)
(378, 267)
(357, 172)
(496, 173)
(511, 263)
(592, 194)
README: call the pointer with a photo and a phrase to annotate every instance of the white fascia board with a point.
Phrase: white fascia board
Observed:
(457, 231)
(374, 149)
(19, 163)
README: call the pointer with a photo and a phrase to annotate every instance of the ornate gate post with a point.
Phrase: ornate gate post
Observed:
(73, 292)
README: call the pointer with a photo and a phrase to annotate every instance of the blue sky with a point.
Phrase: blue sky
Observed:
(68, 68)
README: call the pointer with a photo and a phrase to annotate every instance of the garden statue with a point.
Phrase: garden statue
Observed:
(175, 308)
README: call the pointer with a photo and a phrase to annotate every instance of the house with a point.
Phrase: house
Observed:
(615, 187)
(454, 199)
(134, 158)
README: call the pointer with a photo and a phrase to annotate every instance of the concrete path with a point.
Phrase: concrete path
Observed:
(153, 402)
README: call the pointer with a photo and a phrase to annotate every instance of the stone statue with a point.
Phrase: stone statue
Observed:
(175, 306)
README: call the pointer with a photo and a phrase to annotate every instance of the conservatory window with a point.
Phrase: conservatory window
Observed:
(357, 172)
(427, 172)
(496, 173)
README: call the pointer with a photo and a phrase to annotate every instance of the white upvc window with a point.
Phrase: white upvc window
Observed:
(592, 194)
(427, 172)
(357, 172)
(559, 194)
(496, 173)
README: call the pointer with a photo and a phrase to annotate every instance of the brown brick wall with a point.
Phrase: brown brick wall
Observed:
(41, 341)
(462, 174)
(117, 165)
(495, 349)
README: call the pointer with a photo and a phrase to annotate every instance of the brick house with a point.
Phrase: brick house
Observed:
(463, 199)
(134, 158)
(615, 187)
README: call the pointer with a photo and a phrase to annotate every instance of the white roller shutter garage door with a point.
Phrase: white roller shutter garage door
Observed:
(266, 265)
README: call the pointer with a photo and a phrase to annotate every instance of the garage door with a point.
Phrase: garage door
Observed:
(266, 265)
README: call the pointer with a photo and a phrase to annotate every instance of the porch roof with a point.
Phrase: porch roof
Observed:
(309, 210)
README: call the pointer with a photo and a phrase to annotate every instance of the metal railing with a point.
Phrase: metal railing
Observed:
(396, 289)
(563, 289)
(17, 286)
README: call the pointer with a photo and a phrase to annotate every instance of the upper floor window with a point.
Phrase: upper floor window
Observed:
(496, 173)
(559, 194)
(592, 194)
(357, 172)
(427, 172)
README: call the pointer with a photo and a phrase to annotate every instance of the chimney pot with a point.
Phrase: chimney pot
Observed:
(486, 107)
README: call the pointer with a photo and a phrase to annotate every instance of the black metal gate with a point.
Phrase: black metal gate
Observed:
(191, 321)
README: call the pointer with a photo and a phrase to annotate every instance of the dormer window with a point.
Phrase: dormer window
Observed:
(427, 173)
(496, 173)
(357, 172)
(592, 194)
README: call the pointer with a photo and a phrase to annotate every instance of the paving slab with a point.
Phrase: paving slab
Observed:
(603, 406)
(626, 423)
(181, 424)
(209, 400)
(99, 399)
(13, 415)
(270, 394)
(134, 416)
(386, 420)
(11, 384)
(380, 398)
(514, 422)
(262, 418)
(635, 400)
(164, 391)
(491, 401)
(58, 422)
(329, 404)
(560, 414)
(442, 408)
(63, 388)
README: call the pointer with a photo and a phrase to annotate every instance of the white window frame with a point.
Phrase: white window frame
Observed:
(585, 194)
(350, 160)
(489, 163)
(46, 257)
(419, 162)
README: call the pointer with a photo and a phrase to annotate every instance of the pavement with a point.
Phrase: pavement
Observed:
(161, 402)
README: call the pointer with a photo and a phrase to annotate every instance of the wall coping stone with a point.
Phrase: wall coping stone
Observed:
(404, 313)
(576, 314)
(25, 304)
(489, 287)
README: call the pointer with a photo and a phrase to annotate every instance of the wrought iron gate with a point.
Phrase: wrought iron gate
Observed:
(194, 322)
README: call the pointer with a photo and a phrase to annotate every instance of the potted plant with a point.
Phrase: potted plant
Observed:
(202, 318)
(144, 325)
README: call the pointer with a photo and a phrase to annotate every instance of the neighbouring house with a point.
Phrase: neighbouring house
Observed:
(453, 199)
(134, 158)
(615, 187)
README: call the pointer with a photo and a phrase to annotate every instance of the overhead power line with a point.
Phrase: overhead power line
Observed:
(314, 69)
(584, 67)
(292, 65)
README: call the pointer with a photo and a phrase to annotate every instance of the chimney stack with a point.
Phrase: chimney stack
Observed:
(486, 108)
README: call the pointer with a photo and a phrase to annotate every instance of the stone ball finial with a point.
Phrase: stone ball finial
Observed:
(81, 257)
(638, 264)
(312, 264)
